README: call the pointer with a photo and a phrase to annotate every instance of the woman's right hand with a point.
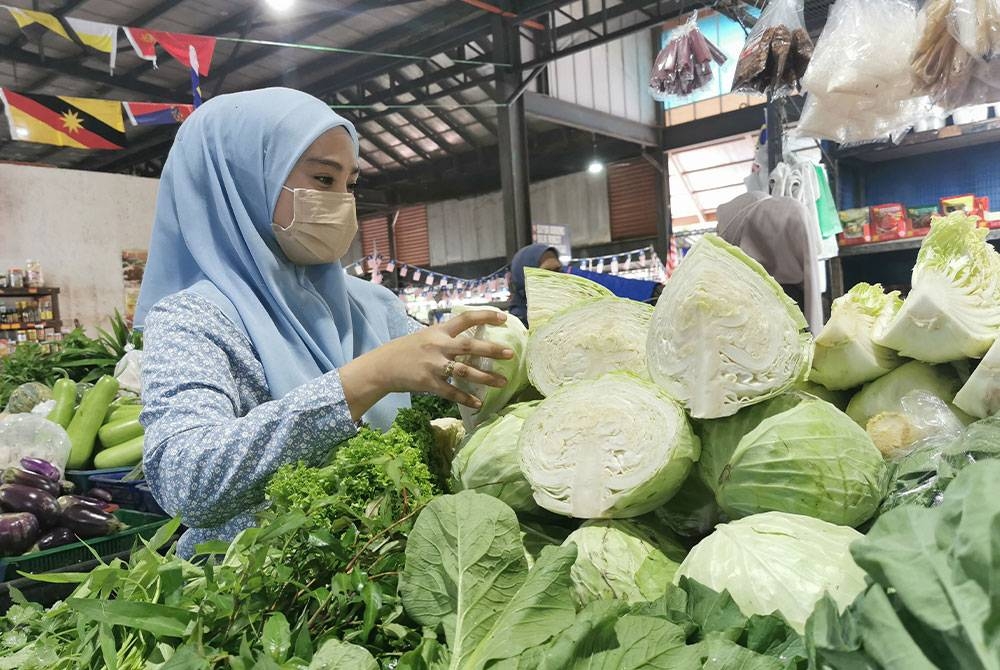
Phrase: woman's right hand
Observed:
(419, 363)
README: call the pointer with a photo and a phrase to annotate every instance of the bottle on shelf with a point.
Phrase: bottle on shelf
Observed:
(33, 277)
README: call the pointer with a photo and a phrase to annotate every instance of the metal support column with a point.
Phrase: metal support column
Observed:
(664, 221)
(512, 134)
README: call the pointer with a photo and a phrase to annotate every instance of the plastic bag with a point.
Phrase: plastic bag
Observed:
(685, 64)
(31, 436)
(921, 416)
(860, 91)
(943, 68)
(975, 24)
(777, 51)
(128, 371)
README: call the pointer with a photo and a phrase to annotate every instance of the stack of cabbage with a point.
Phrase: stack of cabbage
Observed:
(717, 411)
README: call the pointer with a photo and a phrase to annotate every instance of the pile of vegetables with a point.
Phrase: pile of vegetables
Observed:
(707, 487)
(40, 511)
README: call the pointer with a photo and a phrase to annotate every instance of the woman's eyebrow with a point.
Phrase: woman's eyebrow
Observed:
(336, 165)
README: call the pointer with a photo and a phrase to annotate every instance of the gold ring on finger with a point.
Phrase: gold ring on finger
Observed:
(449, 370)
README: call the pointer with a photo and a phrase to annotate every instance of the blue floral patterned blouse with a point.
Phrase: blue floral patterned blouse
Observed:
(214, 435)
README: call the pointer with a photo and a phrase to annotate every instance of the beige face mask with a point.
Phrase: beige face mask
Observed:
(323, 225)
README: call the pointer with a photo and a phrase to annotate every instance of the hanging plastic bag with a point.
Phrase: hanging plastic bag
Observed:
(975, 24)
(943, 68)
(685, 64)
(777, 51)
(859, 91)
(128, 371)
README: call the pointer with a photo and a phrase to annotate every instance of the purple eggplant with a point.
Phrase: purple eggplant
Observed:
(65, 502)
(100, 494)
(66, 487)
(43, 468)
(21, 498)
(32, 479)
(88, 523)
(56, 537)
(18, 532)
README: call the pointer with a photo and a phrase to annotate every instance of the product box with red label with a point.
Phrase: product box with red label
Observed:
(920, 219)
(857, 227)
(888, 222)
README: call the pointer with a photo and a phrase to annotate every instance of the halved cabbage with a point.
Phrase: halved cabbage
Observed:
(623, 560)
(811, 460)
(724, 334)
(588, 341)
(777, 562)
(511, 334)
(885, 394)
(615, 448)
(845, 353)
(489, 462)
(550, 292)
(953, 311)
(980, 396)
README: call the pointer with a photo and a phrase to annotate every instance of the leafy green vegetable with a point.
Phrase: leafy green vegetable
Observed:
(587, 341)
(886, 393)
(466, 571)
(845, 352)
(693, 512)
(778, 563)
(490, 460)
(615, 448)
(435, 407)
(811, 460)
(953, 310)
(511, 334)
(934, 596)
(980, 396)
(552, 292)
(724, 334)
(623, 560)
(335, 655)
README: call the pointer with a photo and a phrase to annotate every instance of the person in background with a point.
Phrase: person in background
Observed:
(260, 350)
(532, 256)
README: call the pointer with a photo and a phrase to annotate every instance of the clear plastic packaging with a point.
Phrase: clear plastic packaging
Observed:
(685, 64)
(777, 51)
(31, 436)
(860, 91)
(975, 24)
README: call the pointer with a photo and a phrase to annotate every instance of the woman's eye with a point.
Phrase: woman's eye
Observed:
(326, 181)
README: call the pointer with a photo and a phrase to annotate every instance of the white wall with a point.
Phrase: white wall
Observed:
(611, 78)
(473, 228)
(76, 224)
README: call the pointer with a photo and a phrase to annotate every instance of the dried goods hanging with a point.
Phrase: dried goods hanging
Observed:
(685, 64)
(776, 53)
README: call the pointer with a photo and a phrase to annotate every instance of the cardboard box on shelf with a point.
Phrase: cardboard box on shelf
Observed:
(888, 222)
(920, 219)
(857, 227)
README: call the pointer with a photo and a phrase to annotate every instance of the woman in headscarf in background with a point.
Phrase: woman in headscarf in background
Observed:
(259, 349)
(532, 256)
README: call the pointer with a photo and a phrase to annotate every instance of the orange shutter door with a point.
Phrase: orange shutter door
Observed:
(632, 200)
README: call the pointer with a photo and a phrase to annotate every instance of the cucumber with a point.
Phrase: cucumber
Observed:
(87, 421)
(125, 412)
(64, 393)
(117, 432)
(124, 455)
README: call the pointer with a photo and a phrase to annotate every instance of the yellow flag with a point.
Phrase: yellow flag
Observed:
(94, 35)
(30, 22)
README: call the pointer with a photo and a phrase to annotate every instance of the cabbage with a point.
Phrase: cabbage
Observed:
(489, 462)
(838, 399)
(622, 560)
(550, 292)
(615, 448)
(693, 512)
(777, 562)
(953, 310)
(511, 334)
(980, 396)
(886, 393)
(720, 437)
(810, 460)
(845, 354)
(588, 341)
(724, 334)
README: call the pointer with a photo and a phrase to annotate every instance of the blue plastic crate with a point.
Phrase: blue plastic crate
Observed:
(125, 494)
(149, 503)
(81, 478)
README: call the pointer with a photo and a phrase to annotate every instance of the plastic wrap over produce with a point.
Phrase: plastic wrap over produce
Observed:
(776, 53)
(859, 90)
(685, 64)
(955, 61)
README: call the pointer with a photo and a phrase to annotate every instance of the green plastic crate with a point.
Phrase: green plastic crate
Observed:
(140, 524)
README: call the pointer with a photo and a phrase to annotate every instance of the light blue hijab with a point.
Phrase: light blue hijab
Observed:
(212, 234)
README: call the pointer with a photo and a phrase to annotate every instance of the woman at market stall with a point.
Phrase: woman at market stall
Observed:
(259, 349)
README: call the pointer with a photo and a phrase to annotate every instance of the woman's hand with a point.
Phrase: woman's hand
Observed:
(423, 362)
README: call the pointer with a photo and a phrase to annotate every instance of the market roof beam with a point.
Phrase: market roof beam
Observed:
(392, 130)
(422, 126)
(584, 118)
